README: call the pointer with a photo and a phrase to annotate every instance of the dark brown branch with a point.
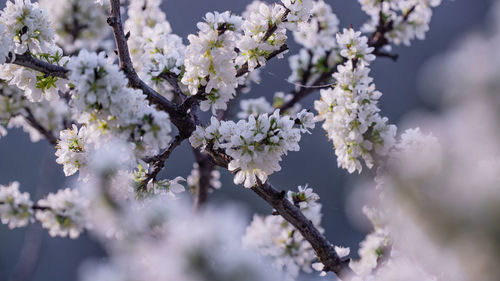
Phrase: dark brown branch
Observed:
(181, 119)
(27, 60)
(35, 207)
(173, 80)
(393, 57)
(158, 162)
(272, 28)
(39, 127)
(205, 168)
(324, 249)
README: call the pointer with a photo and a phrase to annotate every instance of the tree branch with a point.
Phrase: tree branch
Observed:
(244, 68)
(181, 119)
(159, 162)
(173, 80)
(324, 249)
(377, 40)
(27, 60)
(205, 168)
(39, 127)
(34, 207)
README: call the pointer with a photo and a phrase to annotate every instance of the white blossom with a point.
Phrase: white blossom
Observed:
(319, 32)
(254, 107)
(15, 110)
(253, 46)
(350, 109)
(107, 106)
(143, 16)
(37, 86)
(65, 213)
(198, 246)
(306, 120)
(15, 207)
(355, 46)
(256, 145)
(209, 60)
(274, 237)
(299, 10)
(410, 18)
(78, 24)
(71, 148)
(163, 55)
(6, 43)
(28, 26)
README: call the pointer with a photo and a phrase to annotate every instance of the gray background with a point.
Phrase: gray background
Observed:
(33, 164)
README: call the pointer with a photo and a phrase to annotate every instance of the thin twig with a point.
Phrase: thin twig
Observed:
(244, 68)
(377, 40)
(158, 162)
(30, 118)
(173, 80)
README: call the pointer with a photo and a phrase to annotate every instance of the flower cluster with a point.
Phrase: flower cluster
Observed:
(409, 18)
(28, 26)
(155, 51)
(6, 43)
(350, 109)
(17, 111)
(64, 213)
(37, 86)
(320, 31)
(298, 10)
(163, 55)
(71, 149)
(372, 250)
(61, 213)
(254, 107)
(103, 102)
(78, 24)
(319, 54)
(253, 45)
(354, 46)
(255, 145)
(143, 15)
(15, 207)
(274, 237)
(209, 60)
(309, 65)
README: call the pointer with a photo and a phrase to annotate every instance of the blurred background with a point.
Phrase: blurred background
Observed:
(30, 254)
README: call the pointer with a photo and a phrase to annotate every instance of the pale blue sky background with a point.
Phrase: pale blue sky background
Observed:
(33, 164)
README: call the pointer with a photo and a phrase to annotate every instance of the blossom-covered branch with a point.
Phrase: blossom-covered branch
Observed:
(27, 60)
(180, 118)
(378, 40)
